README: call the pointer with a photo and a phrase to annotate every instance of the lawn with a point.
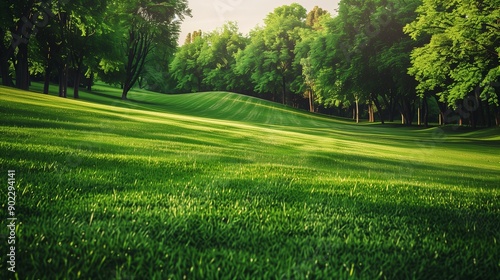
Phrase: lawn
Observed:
(223, 186)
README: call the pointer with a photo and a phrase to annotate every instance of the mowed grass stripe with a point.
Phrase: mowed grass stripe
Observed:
(230, 106)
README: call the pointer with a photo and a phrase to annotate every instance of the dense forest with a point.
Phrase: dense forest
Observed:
(419, 60)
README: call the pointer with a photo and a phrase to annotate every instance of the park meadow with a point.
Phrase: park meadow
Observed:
(361, 142)
(224, 186)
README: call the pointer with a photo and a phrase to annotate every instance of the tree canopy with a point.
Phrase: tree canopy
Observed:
(66, 41)
(377, 58)
(374, 59)
(460, 63)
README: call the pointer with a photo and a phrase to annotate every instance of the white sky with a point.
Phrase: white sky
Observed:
(211, 14)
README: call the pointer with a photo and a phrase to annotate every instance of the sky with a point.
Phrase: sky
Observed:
(211, 14)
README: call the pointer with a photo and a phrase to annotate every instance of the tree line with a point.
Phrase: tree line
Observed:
(388, 58)
(421, 60)
(71, 42)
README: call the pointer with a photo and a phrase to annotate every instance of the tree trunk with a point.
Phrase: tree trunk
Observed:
(419, 115)
(63, 54)
(497, 115)
(311, 101)
(390, 105)
(284, 89)
(76, 85)
(22, 72)
(425, 108)
(5, 72)
(393, 110)
(443, 111)
(379, 110)
(373, 113)
(473, 119)
(357, 110)
(125, 91)
(63, 80)
(48, 69)
(46, 80)
(139, 46)
(369, 114)
(371, 118)
(488, 113)
(482, 113)
(90, 81)
(406, 112)
(5, 53)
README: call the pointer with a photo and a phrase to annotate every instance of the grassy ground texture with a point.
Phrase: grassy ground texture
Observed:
(224, 186)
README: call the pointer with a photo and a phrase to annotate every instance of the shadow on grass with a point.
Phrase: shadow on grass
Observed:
(392, 170)
(306, 232)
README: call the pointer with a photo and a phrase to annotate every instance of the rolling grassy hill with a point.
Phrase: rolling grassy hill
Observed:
(224, 186)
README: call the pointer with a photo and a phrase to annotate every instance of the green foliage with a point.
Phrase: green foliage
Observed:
(186, 67)
(207, 61)
(462, 56)
(326, 56)
(156, 76)
(111, 38)
(149, 24)
(270, 55)
(218, 57)
(220, 185)
(370, 35)
(250, 63)
(362, 55)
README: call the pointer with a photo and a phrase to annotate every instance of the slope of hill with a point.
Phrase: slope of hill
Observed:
(217, 105)
(218, 185)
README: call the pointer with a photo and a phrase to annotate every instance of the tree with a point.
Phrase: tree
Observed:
(392, 59)
(367, 36)
(270, 54)
(305, 83)
(156, 76)
(147, 22)
(217, 57)
(6, 46)
(43, 54)
(18, 20)
(84, 37)
(186, 67)
(71, 39)
(460, 62)
(67, 41)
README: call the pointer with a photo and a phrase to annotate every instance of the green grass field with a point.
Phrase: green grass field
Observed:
(224, 186)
